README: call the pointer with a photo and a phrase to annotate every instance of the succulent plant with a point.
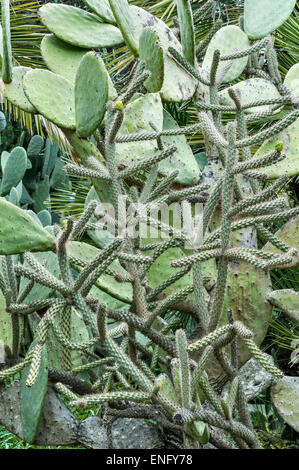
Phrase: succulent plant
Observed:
(118, 294)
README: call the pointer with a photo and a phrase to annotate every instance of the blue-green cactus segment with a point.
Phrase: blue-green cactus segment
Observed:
(285, 396)
(185, 18)
(13, 197)
(35, 146)
(262, 17)
(14, 91)
(64, 59)
(59, 177)
(41, 194)
(78, 27)
(54, 101)
(4, 157)
(289, 234)
(45, 217)
(290, 140)
(25, 198)
(151, 51)
(253, 89)
(14, 171)
(182, 159)
(122, 15)
(6, 45)
(91, 94)
(139, 115)
(102, 9)
(2, 121)
(227, 40)
(291, 80)
(286, 300)
(20, 233)
(32, 398)
(178, 85)
(106, 284)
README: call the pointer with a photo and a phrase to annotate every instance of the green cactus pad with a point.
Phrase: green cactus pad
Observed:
(35, 146)
(106, 283)
(64, 59)
(102, 9)
(289, 234)
(138, 116)
(290, 165)
(122, 15)
(227, 40)
(253, 89)
(20, 233)
(287, 300)
(285, 396)
(291, 80)
(150, 50)
(54, 101)
(14, 91)
(186, 29)
(78, 27)
(177, 85)
(262, 17)
(91, 94)
(246, 291)
(183, 159)
(32, 398)
(41, 194)
(15, 168)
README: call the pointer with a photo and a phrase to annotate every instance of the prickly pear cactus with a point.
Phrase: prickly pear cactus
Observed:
(114, 312)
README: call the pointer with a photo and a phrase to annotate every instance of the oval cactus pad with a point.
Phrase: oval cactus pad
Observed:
(262, 17)
(78, 27)
(52, 95)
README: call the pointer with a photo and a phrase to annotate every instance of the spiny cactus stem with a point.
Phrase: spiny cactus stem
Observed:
(147, 162)
(22, 295)
(265, 160)
(214, 107)
(85, 172)
(141, 325)
(169, 301)
(234, 428)
(214, 67)
(255, 48)
(136, 85)
(42, 278)
(269, 132)
(85, 217)
(185, 64)
(205, 42)
(140, 136)
(93, 265)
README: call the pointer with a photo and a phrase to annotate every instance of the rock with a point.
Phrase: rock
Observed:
(285, 396)
(127, 433)
(57, 426)
(254, 377)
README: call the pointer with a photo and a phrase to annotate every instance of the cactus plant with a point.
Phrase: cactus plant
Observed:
(123, 291)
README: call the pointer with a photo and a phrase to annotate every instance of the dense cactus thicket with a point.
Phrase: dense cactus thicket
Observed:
(99, 316)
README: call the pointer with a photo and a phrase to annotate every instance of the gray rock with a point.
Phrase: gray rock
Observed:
(127, 433)
(254, 377)
(57, 426)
